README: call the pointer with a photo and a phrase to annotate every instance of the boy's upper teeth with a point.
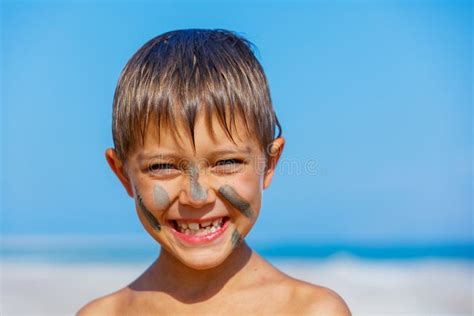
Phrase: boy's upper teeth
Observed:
(182, 225)
(194, 226)
(204, 224)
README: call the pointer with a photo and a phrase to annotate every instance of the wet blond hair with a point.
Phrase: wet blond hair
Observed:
(180, 73)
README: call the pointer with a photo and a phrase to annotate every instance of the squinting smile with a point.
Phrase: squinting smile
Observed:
(199, 210)
(198, 232)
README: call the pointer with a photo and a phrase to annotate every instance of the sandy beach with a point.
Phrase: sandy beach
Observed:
(423, 287)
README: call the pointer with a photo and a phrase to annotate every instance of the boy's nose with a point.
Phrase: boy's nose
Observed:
(194, 192)
(186, 198)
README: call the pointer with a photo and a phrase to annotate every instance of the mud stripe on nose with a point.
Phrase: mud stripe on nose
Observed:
(228, 193)
(148, 215)
(197, 191)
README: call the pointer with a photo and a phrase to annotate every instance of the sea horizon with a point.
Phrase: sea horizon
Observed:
(136, 249)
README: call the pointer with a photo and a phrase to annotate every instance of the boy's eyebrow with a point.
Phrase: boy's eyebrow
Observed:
(145, 156)
(246, 150)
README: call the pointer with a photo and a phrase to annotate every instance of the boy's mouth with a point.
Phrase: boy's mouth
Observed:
(199, 228)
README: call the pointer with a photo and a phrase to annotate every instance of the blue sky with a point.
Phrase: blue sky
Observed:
(375, 97)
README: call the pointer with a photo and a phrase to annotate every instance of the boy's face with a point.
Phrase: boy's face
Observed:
(199, 205)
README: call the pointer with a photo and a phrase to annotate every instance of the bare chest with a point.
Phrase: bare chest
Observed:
(241, 303)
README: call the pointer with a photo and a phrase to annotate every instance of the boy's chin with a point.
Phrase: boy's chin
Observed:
(200, 259)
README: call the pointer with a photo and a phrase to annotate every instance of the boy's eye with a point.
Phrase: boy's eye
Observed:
(155, 167)
(228, 165)
(228, 162)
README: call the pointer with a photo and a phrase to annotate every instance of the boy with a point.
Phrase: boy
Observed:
(193, 129)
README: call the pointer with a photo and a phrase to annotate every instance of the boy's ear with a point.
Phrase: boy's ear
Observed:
(275, 152)
(118, 168)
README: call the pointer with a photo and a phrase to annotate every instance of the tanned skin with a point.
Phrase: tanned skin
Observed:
(222, 278)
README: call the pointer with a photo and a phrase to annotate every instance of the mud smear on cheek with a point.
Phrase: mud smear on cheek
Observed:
(236, 238)
(228, 193)
(148, 215)
(197, 191)
(161, 198)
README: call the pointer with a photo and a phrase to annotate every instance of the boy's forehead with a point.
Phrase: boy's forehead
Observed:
(208, 137)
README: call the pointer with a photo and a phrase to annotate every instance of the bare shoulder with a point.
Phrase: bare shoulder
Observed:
(313, 299)
(302, 298)
(105, 305)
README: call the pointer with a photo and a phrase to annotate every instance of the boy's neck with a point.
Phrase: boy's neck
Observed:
(167, 274)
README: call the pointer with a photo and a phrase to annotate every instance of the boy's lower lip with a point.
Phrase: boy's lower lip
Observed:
(199, 240)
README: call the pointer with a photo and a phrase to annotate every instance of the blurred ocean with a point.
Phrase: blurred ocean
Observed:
(138, 249)
(57, 275)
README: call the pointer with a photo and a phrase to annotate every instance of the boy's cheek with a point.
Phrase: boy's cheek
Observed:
(238, 191)
(161, 197)
(243, 195)
(151, 198)
(142, 206)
